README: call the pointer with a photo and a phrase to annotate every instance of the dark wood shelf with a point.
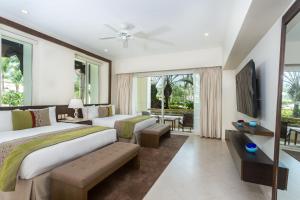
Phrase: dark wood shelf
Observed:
(257, 130)
(253, 167)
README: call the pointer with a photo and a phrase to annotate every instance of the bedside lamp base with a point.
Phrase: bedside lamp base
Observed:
(76, 113)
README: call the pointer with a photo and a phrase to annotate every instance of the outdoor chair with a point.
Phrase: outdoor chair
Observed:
(285, 134)
(187, 121)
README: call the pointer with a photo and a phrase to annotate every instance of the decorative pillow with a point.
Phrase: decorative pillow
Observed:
(22, 119)
(41, 117)
(111, 109)
(103, 112)
(5, 121)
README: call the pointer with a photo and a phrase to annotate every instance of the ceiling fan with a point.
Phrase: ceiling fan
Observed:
(125, 35)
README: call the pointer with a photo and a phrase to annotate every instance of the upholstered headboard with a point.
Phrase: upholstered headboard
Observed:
(60, 109)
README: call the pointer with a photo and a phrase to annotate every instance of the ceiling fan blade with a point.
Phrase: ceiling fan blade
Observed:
(107, 38)
(159, 31)
(112, 28)
(125, 43)
(154, 40)
(141, 35)
(161, 41)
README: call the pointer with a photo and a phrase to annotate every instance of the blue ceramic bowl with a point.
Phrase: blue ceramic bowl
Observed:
(252, 123)
(251, 147)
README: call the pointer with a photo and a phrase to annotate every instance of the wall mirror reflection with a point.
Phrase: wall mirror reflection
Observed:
(91, 82)
(289, 153)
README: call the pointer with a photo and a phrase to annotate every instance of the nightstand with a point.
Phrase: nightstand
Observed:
(77, 121)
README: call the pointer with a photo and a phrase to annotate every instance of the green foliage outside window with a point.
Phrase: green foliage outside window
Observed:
(11, 73)
(12, 98)
(178, 92)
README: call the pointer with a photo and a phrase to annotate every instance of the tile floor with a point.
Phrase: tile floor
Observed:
(203, 169)
(292, 192)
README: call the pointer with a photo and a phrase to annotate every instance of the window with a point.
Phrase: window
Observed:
(15, 72)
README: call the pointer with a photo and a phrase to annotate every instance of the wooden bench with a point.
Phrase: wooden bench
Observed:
(74, 179)
(150, 137)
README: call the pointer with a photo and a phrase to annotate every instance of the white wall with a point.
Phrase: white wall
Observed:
(228, 101)
(52, 71)
(266, 57)
(180, 60)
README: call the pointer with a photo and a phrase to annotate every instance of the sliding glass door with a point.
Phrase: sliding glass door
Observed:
(169, 97)
(15, 72)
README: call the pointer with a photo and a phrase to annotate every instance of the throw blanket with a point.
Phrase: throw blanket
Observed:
(125, 127)
(12, 153)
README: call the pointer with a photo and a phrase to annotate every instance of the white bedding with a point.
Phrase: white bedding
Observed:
(110, 122)
(48, 158)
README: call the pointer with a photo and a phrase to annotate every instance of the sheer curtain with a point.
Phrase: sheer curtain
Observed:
(124, 93)
(211, 102)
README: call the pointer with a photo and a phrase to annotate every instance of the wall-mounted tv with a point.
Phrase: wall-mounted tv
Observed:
(246, 90)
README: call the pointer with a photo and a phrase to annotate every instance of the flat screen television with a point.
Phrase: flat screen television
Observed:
(246, 90)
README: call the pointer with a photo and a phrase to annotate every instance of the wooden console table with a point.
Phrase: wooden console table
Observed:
(257, 130)
(253, 167)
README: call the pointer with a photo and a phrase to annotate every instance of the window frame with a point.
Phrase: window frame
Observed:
(16, 37)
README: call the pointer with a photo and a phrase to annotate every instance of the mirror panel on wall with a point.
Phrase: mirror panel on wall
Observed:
(91, 81)
(289, 143)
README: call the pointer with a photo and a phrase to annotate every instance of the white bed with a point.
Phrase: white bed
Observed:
(110, 122)
(46, 159)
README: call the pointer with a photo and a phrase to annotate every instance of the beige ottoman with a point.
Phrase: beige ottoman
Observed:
(73, 180)
(150, 137)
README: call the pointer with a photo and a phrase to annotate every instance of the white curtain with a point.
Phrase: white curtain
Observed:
(211, 102)
(124, 93)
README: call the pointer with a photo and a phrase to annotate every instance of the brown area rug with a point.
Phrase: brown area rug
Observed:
(294, 154)
(132, 184)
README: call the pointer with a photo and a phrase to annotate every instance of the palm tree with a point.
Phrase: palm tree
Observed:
(16, 78)
(171, 80)
(291, 82)
(4, 68)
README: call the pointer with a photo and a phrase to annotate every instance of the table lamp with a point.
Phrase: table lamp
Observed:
(75, 104)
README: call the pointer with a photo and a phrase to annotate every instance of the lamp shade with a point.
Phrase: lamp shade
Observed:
(76, 103)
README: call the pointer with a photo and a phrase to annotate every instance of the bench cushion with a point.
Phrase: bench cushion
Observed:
(157, 129)
(96, 165)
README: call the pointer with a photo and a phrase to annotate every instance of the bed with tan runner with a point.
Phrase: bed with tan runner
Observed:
(28, 155)
(128, 127)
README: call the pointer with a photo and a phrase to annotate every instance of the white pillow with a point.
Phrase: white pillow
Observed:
(90, 112)
(84, 111)
(93, 112)
(52, 115)
(6, 121)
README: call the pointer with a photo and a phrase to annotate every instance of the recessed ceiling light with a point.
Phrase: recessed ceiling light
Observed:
(206, 34)
(24, 11)
(105, 50)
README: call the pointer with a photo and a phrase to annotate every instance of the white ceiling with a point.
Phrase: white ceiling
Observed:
(181, 22)
(256, 24)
